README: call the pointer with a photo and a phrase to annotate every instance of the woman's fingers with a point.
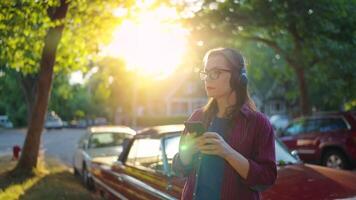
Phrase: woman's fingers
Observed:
(209, 143)
(204, 141)
(210, 149)
(210, 152)
(211, 135)
(207, 147)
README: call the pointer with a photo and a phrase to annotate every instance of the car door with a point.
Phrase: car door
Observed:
(80, 152)
(143, 175)
(175, 183)
(334, 131)
(308, 141)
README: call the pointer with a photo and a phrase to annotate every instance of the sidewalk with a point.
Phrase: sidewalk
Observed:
(13, 130)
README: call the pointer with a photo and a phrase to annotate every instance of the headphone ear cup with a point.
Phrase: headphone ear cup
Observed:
(243, 77)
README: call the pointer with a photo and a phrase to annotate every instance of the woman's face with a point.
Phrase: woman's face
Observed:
(217, 85)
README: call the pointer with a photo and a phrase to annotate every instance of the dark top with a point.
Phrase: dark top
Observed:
(211, 171)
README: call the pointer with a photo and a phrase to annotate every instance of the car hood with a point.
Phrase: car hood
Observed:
(108, 160)
(312, 182)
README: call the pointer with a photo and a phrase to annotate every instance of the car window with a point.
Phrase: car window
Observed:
(295, 128)
(100, 140)
(312, 125)
(282, 154)
(332, 124)
(171, 149)
(82, 139)
(146, 153)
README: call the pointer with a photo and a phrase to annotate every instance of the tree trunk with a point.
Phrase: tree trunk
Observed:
(30, 150)
(303, 89)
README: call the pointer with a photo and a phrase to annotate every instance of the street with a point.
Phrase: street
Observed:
(58, 143)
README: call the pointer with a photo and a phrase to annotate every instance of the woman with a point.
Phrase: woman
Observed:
(235, 158)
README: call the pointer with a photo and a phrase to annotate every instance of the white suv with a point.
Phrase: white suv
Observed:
(53, 121)
(100, 144)
(5, 122)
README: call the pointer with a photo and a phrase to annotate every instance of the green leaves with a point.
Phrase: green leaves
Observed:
(317, 36)
(23, 25)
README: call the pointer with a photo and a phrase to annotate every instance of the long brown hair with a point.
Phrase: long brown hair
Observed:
(242, 95)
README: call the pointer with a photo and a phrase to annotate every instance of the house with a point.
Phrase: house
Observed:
(175, 96)
(179, 95)
(273, 101)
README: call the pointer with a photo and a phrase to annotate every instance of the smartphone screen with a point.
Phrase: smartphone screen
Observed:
(196, 128)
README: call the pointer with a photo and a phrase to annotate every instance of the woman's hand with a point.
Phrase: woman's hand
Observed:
(213, 144)
(187, 148)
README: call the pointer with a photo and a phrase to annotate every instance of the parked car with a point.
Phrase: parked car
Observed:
(53, 121)
(100, 121)
(82, 123)
(101, 144)
(328, 139)
(144, 171)
(279, 121)
(5, 122)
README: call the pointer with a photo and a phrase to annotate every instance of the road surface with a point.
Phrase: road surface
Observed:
(58, 143)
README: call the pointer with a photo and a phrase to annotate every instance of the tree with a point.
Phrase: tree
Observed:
(309, 35)
(69, 101)
(110, 87)
(11, 96)
(31, 32)
(28, 159)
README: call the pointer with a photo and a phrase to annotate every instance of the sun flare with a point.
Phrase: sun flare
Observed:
(152, 43)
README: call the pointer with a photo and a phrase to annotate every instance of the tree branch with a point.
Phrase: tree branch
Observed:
(275, 47)
(268, 42)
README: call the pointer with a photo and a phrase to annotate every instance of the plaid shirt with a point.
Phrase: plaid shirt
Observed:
(253, 137)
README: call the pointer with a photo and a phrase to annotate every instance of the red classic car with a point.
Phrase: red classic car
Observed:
(143, 171)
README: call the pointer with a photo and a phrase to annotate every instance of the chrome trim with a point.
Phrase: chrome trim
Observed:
(147, 187)
(140, 184)
(86, 156)
(105, 167)
(346, 122)
(112, 191)
(306, 151)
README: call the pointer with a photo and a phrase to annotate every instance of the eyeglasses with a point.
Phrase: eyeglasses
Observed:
(212, 74)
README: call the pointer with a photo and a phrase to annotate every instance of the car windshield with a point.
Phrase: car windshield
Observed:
(107, 139)
(283, 157)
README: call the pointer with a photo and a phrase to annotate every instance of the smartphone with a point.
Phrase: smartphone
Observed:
(195, 127)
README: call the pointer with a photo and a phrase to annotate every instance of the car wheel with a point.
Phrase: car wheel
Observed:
(335, 159)
(75, 171)
(87, 181)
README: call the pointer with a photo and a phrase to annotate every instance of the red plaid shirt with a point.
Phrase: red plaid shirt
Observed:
(253, 137)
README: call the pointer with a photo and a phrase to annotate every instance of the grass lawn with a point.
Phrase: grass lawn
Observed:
(53, 181)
